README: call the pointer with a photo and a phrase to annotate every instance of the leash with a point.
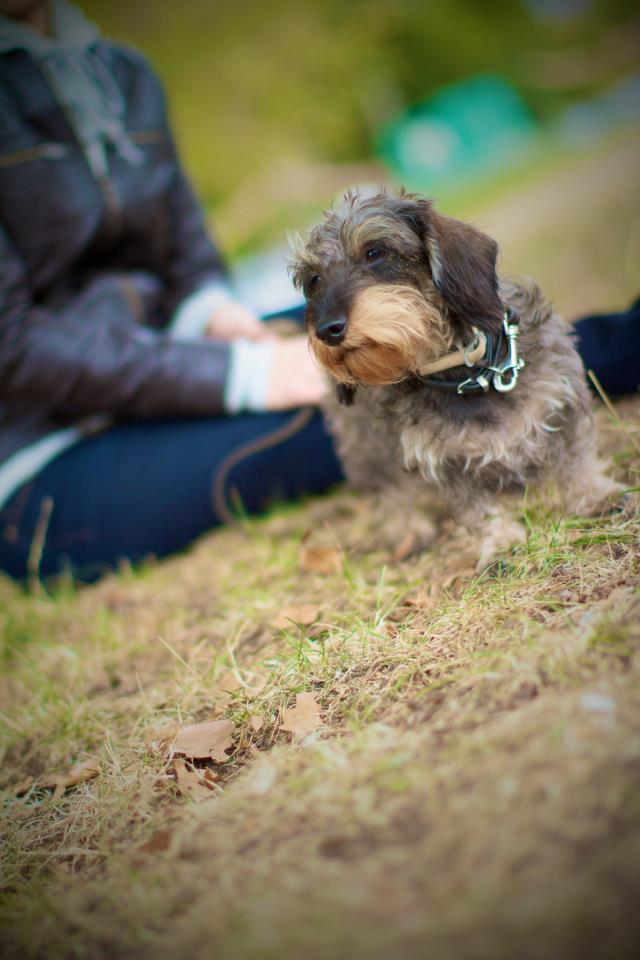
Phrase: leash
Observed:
(484, 352)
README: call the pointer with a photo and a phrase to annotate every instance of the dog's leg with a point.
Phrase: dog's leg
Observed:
(370, 454)
(500, 533)
(493, 526)
(591, 493)
(585, 488)
(401, 522)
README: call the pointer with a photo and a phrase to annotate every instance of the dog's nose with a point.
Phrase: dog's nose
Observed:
(331, 331)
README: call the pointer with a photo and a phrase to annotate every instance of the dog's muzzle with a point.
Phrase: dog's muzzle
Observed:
(332, 331)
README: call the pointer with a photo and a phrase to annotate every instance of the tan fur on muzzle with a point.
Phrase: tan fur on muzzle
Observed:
(392, 330)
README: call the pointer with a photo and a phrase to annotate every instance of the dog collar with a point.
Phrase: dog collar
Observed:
(482, 352)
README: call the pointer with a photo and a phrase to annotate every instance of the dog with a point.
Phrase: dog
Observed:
(446, 377)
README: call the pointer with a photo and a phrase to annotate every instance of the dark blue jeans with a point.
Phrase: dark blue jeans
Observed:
(150, 488)
(609, 344)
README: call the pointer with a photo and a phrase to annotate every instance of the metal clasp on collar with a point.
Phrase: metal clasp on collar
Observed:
(505, 376)
(471, 383)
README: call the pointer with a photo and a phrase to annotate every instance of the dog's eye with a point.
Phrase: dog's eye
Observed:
(375, 254)
(312, 284)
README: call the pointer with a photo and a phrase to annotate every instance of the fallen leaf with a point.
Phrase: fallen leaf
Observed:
(255, 688)
(421, 601)
(205, 740)
(256, 723)
(61, 781)
(229, 683)
(323, 560)
(456, 570)
(405, 548)
(159, 841)
(85, 770)
(302, 719)
(303, 613)
(191, 782)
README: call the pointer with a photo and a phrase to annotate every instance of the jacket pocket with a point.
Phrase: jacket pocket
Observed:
(42, 151)
(144, 137)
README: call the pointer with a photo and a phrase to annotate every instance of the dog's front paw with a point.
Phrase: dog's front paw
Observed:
(499, 535)
(402, 533)
(590, 492)
(617, 499)
(413, 537)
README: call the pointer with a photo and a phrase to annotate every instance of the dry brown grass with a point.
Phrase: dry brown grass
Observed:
(474, 790)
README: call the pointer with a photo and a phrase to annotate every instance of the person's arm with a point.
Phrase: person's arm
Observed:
(92, 356)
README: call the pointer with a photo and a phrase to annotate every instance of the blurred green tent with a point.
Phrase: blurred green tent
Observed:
(467, 130)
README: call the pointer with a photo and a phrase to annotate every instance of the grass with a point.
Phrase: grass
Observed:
(474, 790)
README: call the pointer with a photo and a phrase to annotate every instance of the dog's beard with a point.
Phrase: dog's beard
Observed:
(392, 331)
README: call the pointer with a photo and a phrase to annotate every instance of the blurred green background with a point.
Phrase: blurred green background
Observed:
(279, 105)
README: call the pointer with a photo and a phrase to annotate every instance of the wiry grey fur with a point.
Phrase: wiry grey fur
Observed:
(478, 453)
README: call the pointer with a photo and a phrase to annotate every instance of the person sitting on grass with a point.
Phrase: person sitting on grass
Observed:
(137, 396)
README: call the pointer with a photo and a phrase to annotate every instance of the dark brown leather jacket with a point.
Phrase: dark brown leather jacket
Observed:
(91, 272)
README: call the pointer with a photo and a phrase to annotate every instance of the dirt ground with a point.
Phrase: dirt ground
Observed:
(403, 759)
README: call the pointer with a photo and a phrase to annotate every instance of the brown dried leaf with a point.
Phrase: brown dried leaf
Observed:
(421, 601)
(86, 770)
(256, 688)
(302, 719)
(405, 548)
(456, 571)
(323, 560)
(158, 842)
(191, 783)
(303, 613)
(256, 723)
(61, 781)
(158, 739)
(205, 740)
(229, 683)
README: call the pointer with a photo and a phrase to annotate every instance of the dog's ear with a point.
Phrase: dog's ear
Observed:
(345, 393)
(463, 268)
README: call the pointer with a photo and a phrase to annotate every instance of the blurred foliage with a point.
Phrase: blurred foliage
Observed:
(252, 83)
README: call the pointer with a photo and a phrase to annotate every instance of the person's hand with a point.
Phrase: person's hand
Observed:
(234, 321)
(296, 379)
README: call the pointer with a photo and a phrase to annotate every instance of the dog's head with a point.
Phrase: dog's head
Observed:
(390, 285)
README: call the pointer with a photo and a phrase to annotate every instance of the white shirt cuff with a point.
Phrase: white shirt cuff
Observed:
(190, 320)
(248, 375)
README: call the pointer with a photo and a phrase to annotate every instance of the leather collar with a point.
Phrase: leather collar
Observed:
(488, 371)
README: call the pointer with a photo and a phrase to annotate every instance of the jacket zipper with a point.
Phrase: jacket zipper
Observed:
(112, 220)
(112, 203)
